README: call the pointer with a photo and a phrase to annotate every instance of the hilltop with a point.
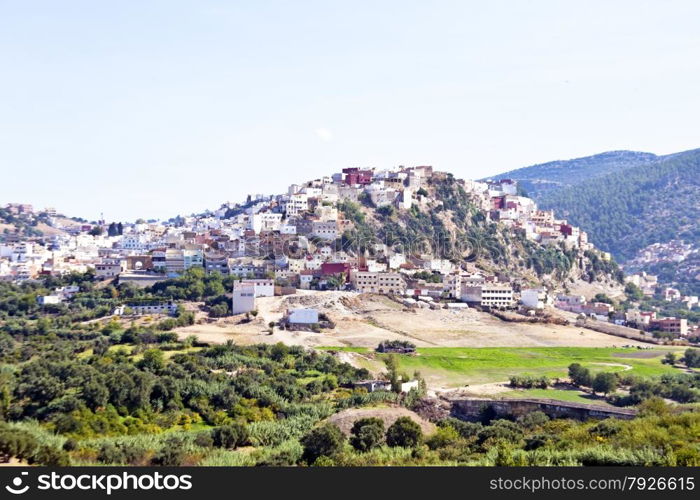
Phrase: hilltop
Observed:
(453, 219)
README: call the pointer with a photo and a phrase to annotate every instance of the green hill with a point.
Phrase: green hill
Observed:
(545, 178)
(627, 210)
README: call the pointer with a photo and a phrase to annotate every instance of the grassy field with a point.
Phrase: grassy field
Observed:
(562, 395)
(458, 366)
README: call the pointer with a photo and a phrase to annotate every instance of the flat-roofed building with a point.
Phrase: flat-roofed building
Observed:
(377, 282)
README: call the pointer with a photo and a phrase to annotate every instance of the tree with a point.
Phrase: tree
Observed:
(691, 358)
(404, 432)
(96, 231)
(112, 230)
(605, 383)
(172, 454)
(152, 360)
(324, 441)
(230, 436)
(669, 359)
(367, 433)
(392, 367)
(601, 297)
(219, 310)
(579, 375)
(633, 292)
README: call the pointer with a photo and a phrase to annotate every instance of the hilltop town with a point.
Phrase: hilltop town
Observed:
(421, 236)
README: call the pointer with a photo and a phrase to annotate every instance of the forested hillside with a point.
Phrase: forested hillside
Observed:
(627, 210)
(545, 178)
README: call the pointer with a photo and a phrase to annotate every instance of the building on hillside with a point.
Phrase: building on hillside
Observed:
(140, 309)
(355, 176)
(302, 317)
(572, 303)
(216, 262)
(373, 385)
(675, 326)
(262, 287)
(243, 300)
(489, 295)
(325, 230)
(534, 298)
(44, 300)
(369, 282)
(109, 268)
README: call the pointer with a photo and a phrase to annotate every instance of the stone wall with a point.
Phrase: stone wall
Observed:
(472, 409)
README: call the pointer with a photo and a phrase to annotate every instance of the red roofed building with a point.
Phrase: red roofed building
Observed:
(355, 176)
(332, 268)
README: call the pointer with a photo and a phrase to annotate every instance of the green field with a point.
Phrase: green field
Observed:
(560, 394)
(458, 366)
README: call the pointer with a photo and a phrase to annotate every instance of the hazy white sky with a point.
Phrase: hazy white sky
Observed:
(154, 108)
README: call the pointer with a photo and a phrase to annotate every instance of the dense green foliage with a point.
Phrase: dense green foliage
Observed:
(540, 180)
(627, 210)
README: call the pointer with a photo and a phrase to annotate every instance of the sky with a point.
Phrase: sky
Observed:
(144, 108)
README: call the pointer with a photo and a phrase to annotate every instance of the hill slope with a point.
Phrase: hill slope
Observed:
(451, 226)
(626, 211)
(542, 179)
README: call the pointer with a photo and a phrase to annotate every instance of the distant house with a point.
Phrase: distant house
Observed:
(676, 326)
(153, 308)
(535, 298)
(488, 295)
(243, 300)
(303, 316)
(411, 384)
(262, 287)
(44, 300)
(373, 385)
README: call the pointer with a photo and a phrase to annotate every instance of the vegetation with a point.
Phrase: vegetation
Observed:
(613, 207)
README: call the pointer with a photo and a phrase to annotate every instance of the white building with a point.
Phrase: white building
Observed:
(488, 295)
(535, 298)
(369, 282)
(325, 230)
(265, 221)
(296, 204)
(49, 299)
(243, 297)
(303, 316)
(262, 287)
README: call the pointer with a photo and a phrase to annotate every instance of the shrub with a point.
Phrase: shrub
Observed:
(404, 432)
(324, 441)
(230, 436)
(579, 375)
(533, 419)
(605, 383)
(367, 433)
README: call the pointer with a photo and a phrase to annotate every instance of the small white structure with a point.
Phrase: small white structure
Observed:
(535, 298)
(407, 386)
(303, 316)
(49, 299)
(243, 297)
(262, 287)
(153, 308)
(457, 306)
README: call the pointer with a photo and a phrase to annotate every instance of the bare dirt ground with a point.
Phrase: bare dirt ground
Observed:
(364, 320)
(589, 290)
(346, 418)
